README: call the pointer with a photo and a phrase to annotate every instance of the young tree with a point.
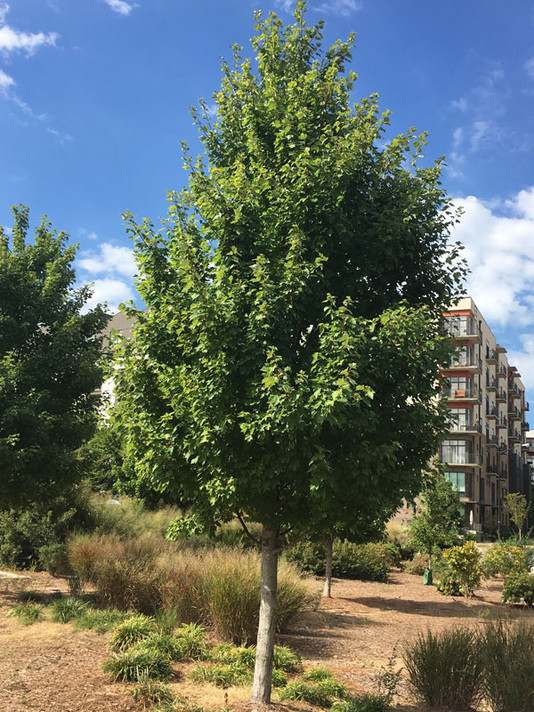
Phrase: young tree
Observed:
(49, 355)
(518, 508)
(286, 371)
(439, 521)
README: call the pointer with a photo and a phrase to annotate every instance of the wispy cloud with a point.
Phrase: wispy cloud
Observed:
(6, 82)
(12, 40)
(120, 6)
(482, 108)
(327, 7)
(338, 7)
(529, 67)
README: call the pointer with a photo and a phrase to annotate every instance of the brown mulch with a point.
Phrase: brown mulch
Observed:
(48, 667)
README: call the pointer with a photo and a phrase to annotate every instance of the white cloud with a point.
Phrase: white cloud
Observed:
(12, 40)
(120, 6)
(6, 82)
(338, 7)
(111, 292)
(500, 252)
(110, 259)
(529, 67)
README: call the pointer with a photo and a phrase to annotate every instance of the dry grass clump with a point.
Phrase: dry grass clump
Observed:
(219, 587)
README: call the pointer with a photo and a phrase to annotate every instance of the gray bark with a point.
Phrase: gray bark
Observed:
(261, 687)
(327, 588)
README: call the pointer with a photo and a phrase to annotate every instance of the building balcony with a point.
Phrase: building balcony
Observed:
(492, 470)
(525, 425)
(500, 370)
(513, 391)
(501, 396)
(472, 365)
(470, 459)
(491, 356)
(463, 332)
(466, 395)
(526, 406)
(469, 428)
(503, 448)
(491, 385)
(492, 413)
(502, 422)
(514, 413)
(514, 435)
(492, 440)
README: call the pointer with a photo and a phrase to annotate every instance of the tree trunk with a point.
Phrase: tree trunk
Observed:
(327, 588)
(261, 687)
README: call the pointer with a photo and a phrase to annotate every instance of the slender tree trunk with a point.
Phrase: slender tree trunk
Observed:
(261, 687)
(327, 588)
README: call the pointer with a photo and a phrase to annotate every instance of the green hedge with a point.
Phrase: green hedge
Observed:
(366, 562)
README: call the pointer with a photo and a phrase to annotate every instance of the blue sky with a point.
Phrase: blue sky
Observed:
(95, 96)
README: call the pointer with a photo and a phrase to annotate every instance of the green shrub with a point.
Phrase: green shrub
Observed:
(504, 559)
(417, 565)
(24, 531)
(165, 643)
(449, 586)
(316, 674)
(131, 631)
(101, 621)
(191, 641)
(285, 659)
(465, 566)
(67, 609)
(519, 586)
(151, 692)
(139, 663)
(27, 613)
(508, 654)
(365, 702)
(223, 676)
(445, 670)
(279, 678)
(54, 558)
(322, 693)
(366, 562)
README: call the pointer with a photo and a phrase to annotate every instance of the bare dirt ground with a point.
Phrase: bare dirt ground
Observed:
(48, 667)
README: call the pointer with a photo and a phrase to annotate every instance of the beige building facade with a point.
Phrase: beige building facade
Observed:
(484, 454)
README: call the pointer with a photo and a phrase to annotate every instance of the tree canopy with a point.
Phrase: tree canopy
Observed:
(49, 353)
(287, 368)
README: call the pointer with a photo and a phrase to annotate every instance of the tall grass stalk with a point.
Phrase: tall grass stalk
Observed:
(445, 670)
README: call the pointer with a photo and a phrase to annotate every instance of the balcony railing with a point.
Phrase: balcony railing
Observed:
(460, 458)
(513, 391)
(514, 434)
(514, 413)
(470, 392)
(501, 396)
(492, 412)
(492, 469)
(502, 422)
(525, 425)
(466, 428)
(492, 440)
(500, 370)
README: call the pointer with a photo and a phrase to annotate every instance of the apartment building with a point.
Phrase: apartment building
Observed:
(484, 454)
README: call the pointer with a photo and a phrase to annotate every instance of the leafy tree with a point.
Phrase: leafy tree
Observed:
(465, 565)
(439, 521)
(518, 507)
(286, 370)
(48, 363)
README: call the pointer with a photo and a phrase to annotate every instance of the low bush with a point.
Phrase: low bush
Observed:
(131, 631)
(504, 559)
(465, 565)
(139, 663)
(366, 702)
(400, 536)
(68, 609)
(285, 659)
(191, 641)
(101, 621)
(508, 655)
(232, 674)
(27, 613)
(445, 670)
(519, 586)
(417, 565)
(150, 692)
(322, 693)
(366, 562)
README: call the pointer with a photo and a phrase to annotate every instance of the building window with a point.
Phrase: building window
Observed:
(461, 417)
(462, 483)
(457, 452)
(459, 325)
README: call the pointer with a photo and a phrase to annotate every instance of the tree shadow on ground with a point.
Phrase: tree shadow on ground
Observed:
(453, 608)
